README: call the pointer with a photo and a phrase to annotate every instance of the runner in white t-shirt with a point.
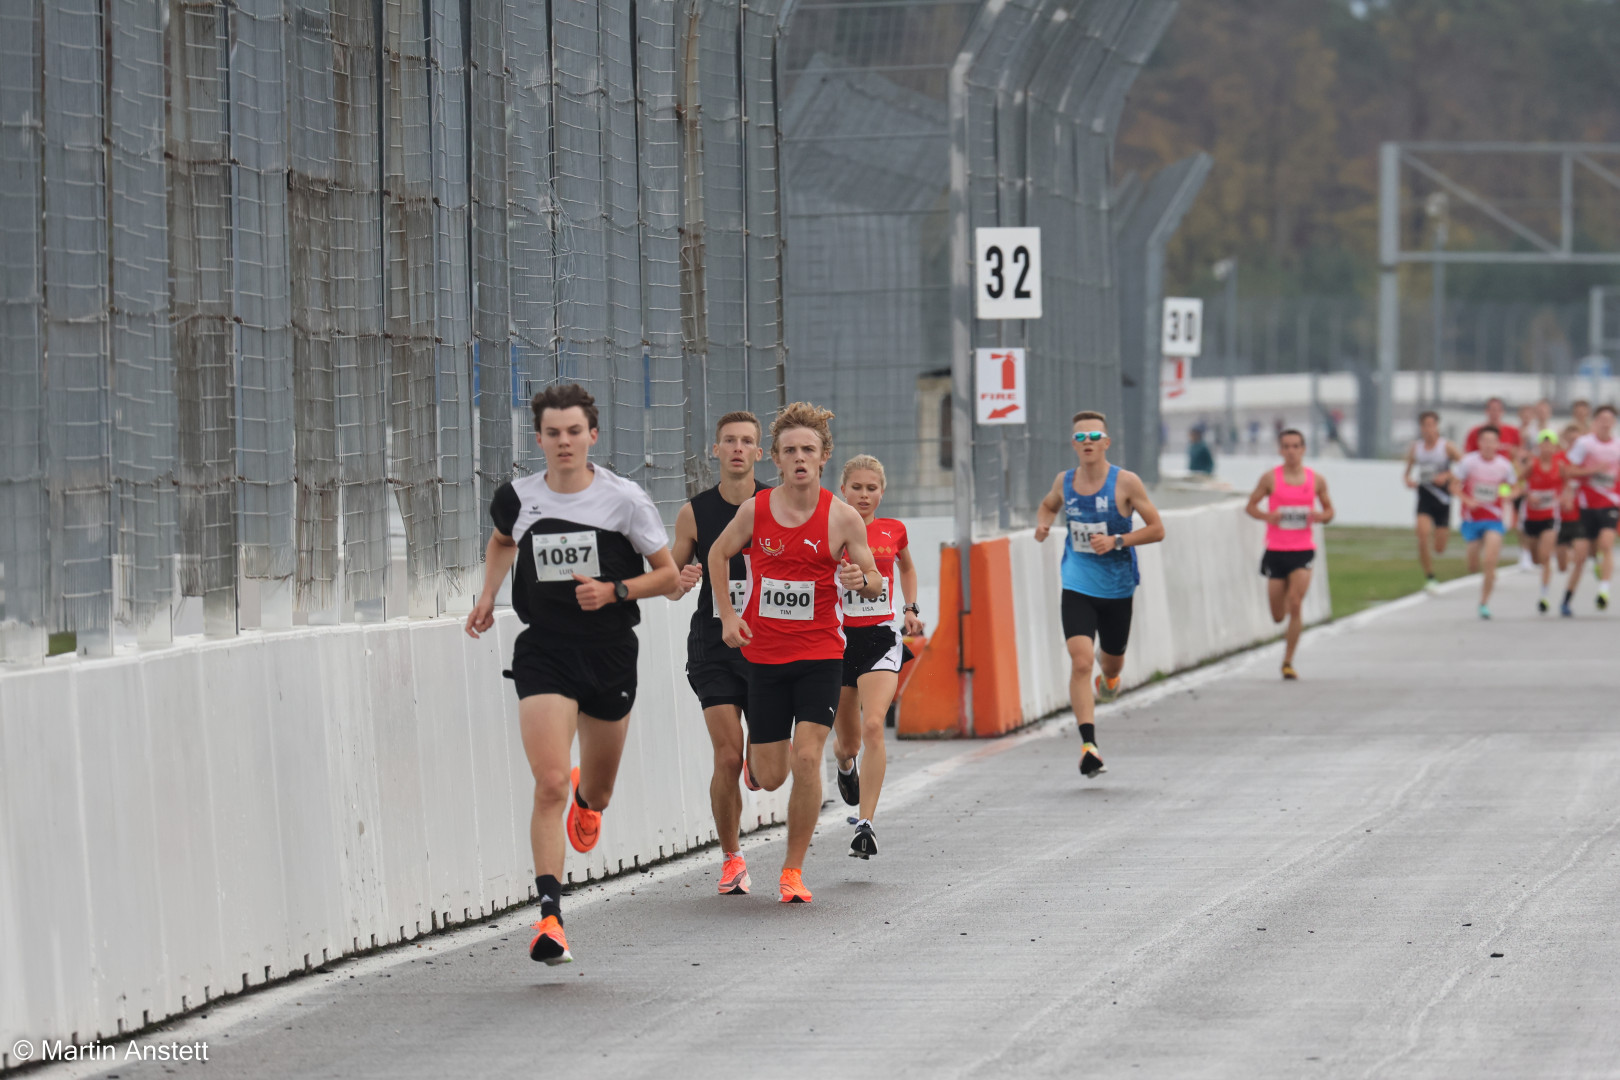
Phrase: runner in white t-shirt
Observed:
(1486, 482)
(1595, 461)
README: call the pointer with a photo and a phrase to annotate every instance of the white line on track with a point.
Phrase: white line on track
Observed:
(236, 1013)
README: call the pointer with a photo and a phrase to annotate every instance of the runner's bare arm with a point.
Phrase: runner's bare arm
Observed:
(1261, 490)
(1411, 460)
(683, 550)
(735, 537)
(499, 555)
(846, 532)
(594, 593)
(908, 589)
(1136, 501)
(1050, 508)
(1324, 515)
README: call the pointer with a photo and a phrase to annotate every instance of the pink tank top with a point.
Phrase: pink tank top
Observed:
(1295, 501)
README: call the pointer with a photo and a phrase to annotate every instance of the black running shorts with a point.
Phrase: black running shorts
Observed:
(1434, 508)
(1570, 530)
(800, 690)
(1534, 529)
(1595, 521)
(1106, 619)
(1277, 565)
(598, 673)
(718, 674)
(871, 648)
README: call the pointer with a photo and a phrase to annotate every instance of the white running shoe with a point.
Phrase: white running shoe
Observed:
(1432, 587)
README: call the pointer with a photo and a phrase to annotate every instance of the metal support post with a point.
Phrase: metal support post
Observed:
(962, 359)
(1389, 338)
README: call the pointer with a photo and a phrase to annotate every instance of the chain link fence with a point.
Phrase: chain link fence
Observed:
(280, 275)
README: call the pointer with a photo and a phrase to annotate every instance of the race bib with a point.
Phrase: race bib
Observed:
(1427, 473)
(793, 600)
(1485, 494)
(1543, 500)
(859, 606)
(1081, 532)
(559, 556)
(1603, 480)
(1294, 517)
(740, 591)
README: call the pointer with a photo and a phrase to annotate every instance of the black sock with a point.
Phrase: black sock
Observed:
(1088, 733)
(580, 799)
(549, 889)
(1569, 596)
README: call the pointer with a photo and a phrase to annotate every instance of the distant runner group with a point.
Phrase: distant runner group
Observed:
(807, 599)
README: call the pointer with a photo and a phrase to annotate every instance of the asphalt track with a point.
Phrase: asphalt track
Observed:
(1405, 864)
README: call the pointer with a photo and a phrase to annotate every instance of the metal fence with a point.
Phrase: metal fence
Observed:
(268, 261)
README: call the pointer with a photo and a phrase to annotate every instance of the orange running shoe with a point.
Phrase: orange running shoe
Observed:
(734, 876)
(1106, 689)
(792, 886)
(584, 826)
(550, 946)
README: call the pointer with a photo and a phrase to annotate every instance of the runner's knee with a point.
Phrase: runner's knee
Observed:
(551, 787)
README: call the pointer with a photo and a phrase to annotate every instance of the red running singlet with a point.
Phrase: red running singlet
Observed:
(793, 611)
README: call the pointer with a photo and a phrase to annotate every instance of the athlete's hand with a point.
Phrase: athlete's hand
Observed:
(1274, 517)
(691, 574)
(481, 617)
(914, 626)
(1101, 543)
(1042, 532)
(1411, 483)
(735, 632)
(592, 594)
(851, 576)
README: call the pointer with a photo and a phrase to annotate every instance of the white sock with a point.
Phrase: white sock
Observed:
(849, 770)
(864, 821)
(1544, 589)
(731, 854)
(1603, 588)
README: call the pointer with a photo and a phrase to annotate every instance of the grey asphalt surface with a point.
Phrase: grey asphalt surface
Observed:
(1272, 879)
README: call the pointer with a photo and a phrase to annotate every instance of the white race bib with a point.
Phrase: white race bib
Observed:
(793, 600)
(1603, 480)
(559, 556)
(1081, 532)
(740, 591)
(859, 606)
(1543, 500)
(1294, 517)
(1486, 494)
(1427, 473)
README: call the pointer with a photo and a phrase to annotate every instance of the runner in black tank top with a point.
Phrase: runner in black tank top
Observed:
(717, 672)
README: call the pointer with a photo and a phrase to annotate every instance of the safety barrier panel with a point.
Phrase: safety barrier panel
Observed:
(1201, 597)
(180, 824)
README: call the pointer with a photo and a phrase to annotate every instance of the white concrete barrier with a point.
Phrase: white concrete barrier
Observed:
(1201, 597)
(177, 824)
(1364, 491)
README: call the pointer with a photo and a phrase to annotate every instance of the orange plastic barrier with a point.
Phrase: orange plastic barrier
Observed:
(983, 642)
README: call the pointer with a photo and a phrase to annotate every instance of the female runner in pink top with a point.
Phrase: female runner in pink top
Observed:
(1291, 492)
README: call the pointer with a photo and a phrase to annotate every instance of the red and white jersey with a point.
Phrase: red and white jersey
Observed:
(1482, 482)
(1545, 488)
(793, 610)
(887, 539)
(1598, 491)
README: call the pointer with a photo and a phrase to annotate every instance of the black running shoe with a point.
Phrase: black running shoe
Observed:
(864, 846)
(1091, 762)
(1603, 601)
(849, 783)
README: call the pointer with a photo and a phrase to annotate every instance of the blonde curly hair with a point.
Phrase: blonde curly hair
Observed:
(802, 414)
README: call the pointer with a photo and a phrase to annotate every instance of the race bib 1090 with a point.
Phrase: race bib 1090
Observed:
(559, 556)
(794, 600)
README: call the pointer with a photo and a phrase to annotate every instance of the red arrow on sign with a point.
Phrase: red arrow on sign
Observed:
(1005, 410)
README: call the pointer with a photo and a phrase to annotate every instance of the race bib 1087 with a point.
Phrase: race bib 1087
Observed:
(559, 556)
(793, 600)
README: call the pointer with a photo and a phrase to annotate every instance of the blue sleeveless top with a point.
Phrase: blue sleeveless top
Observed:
(1108, 577)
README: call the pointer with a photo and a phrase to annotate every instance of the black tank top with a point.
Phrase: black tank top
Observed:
(712, 514)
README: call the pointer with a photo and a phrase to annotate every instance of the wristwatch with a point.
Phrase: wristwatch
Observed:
(1119, 541)
(621, 591)
(913, 609)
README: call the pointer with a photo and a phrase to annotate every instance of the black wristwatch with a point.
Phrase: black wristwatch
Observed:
(912, 609)
(621, 591)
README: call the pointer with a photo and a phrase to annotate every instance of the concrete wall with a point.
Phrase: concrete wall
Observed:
(1201, 596)
(1364, 491)
(175, 823)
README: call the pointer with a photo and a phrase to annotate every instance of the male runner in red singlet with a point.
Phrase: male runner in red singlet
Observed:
(1543, 478)
(717, 672)
(805, 547)
(1595, 461)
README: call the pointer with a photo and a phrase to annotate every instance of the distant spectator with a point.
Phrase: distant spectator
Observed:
(1199, 459)
(1254, 433)
(1493, 418)
(1580, 414)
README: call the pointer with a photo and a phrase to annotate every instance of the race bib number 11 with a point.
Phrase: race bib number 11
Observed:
(559, 556)
(1081, 532)
(859, 606)
(795, 600)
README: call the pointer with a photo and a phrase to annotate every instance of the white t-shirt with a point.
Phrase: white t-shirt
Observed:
(1598, 491)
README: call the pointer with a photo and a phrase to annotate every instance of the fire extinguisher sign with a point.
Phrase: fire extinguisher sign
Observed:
(999, 375)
